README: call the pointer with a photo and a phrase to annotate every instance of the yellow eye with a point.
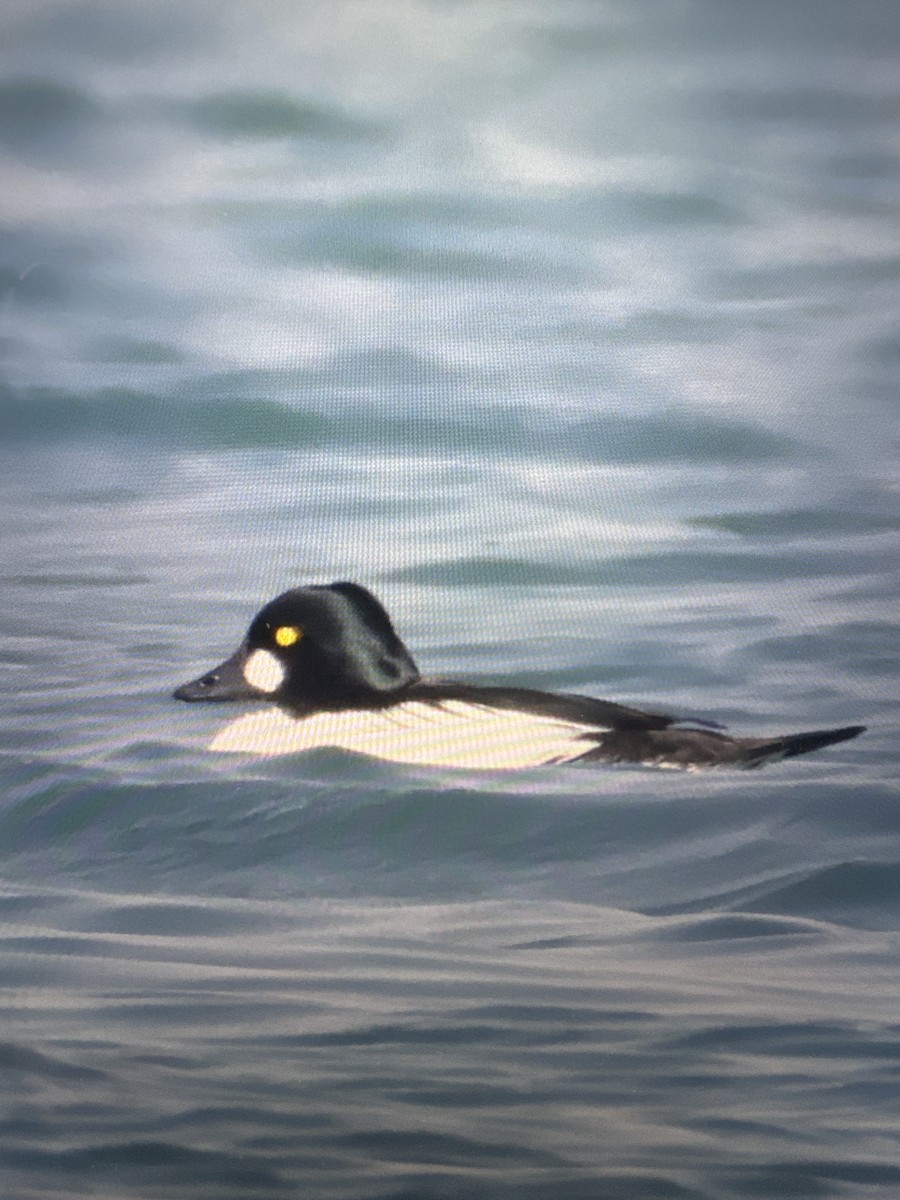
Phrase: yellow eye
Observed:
(286, 635)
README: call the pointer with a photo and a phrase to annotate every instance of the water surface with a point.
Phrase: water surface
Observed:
(571, 331)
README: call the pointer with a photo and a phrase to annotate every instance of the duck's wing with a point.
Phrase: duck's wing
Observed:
(602, 715)
(600, 731)
(696, 749)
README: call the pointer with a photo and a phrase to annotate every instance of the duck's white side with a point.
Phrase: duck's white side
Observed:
(449, 734)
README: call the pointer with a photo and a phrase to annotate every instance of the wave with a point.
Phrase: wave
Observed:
(35, 112)
(665, 568)
(851, 646)
(263, 115)
(436, 1048)
(866, 894)
(338, 825)
(798, 522)
(343, 417)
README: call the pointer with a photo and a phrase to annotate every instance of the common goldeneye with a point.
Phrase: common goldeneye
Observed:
(334, 673)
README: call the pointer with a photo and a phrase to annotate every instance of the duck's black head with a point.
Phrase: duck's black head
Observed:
(324, 647)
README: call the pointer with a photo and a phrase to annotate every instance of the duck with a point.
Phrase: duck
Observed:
(325, 668)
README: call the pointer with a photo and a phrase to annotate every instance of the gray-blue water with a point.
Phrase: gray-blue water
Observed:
(571, 330)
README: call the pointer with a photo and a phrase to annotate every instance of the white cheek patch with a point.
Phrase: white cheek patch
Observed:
(264, 671)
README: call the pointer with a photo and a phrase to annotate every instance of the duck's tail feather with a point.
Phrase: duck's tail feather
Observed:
(773, 749)
(696, 749)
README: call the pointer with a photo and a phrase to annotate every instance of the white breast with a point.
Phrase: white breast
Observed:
(452, 734)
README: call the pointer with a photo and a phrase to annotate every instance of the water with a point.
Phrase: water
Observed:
(571, 331)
